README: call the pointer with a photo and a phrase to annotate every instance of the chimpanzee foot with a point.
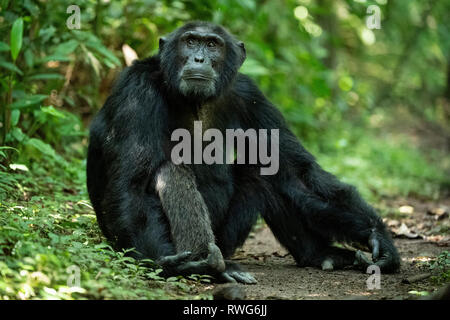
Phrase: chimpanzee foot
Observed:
(327, 264)
(360, 261)
(335, 258)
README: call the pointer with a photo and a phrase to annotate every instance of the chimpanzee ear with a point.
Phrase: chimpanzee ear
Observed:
(243, 52)
(162, 41)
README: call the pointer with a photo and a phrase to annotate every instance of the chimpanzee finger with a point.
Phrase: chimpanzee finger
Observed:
(361, 261)
(243, 277)
(174, 259)
(215, 258)
(387, 263)
(375, 246)
(194, 267)
(225, 277)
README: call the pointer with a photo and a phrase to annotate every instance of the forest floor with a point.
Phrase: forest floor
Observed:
(420, 231)
(45, 239)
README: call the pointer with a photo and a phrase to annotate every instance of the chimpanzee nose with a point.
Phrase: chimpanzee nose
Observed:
(199, 59)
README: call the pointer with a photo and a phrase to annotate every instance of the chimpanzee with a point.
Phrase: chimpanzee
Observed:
(189, 217)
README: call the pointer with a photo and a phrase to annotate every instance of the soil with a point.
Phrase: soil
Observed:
(422, 237)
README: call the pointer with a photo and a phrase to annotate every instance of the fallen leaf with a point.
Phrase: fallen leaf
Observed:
(406, 209)
(392, 223)
(404, 232)
(439, 213)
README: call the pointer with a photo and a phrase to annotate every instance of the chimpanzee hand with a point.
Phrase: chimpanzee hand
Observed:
(181, 263)
(214, 265)
(233, 273)
(384, 254)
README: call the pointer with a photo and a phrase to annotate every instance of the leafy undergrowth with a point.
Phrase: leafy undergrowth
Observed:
(51, 247)
(442, 266)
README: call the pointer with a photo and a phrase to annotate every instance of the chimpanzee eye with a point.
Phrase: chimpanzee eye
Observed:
(211, 44)
(190, 41)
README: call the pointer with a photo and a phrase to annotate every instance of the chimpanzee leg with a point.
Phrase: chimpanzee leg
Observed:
(255, 195)
(252, 195)
(240, 219)
(307, 247)
(342, 216)
(242, 215)
(152, 237)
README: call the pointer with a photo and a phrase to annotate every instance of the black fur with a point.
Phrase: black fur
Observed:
(306, 207)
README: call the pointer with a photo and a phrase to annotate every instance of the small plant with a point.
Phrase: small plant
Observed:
(441, 265)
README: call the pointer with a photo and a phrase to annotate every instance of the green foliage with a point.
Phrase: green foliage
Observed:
(382, 167)
(442, 266)
(34, 86)
(16, 38)
(49, 237)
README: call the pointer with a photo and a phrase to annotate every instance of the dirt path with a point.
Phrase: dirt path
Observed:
(419, 240)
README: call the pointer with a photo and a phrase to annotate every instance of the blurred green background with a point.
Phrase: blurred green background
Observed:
(373, 105)
(375, 100)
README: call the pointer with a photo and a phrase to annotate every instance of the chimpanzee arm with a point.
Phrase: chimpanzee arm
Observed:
(185, 209)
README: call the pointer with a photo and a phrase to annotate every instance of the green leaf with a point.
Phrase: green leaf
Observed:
(17, 134)
(31, 7)
(29, 101)
(93, 61)
(46, 76)
(254, 68)
(4, 46)
(15, 115)
(10, 66)
(52, 111)
(46, 33)
(7, 148)
(16, 38)
(29, 58)
(56, 57)
(41, 146)
(108, 54)
(69, 100)
(66, 48)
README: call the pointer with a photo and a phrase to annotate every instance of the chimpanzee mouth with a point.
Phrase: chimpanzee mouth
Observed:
(197, 77)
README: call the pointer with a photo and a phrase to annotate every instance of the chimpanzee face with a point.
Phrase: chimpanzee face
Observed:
(200, 60)
(202, 54)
